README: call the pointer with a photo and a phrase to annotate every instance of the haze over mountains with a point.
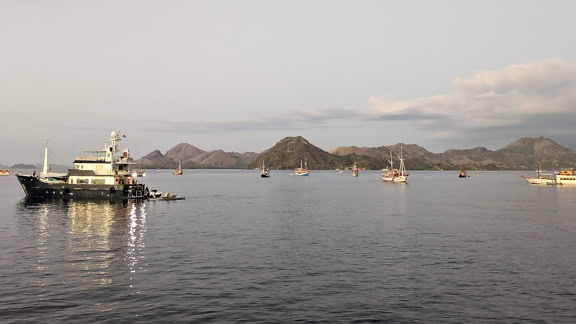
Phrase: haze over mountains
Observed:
(288, 152)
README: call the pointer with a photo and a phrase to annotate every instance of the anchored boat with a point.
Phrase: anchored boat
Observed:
(264, 171)
(354, 170)
(179, 170)
(462, 173)
(103, 174)
(303, 169)
(566, 177)
(395, 175)
(540, 178)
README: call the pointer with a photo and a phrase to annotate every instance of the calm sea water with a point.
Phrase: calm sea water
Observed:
(326, 248)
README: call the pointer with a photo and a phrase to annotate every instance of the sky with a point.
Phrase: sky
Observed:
(241, 75)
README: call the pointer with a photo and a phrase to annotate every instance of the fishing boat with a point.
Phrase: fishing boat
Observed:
(4, 172)
(103, 174)
(566, 177)
(354, 170)
(303, 169)
(540, 178)
(179, 170)
(462, 173)
(264, 171)
(395, 175)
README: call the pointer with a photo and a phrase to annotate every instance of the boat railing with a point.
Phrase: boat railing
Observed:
(90, 158)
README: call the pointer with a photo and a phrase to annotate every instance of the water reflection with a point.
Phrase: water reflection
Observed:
(96, 242)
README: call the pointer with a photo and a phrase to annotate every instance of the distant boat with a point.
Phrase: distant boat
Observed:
(303, 169)
(395, 175)
(462, 173)
(4, 172)
(179, 170)
(566, 177)
(139, 173)
(540, 179)
(354, 170)
(264, 171)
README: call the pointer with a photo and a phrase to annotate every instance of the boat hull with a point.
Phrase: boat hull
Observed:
(395, 179)
(302, 174)
(566, 179)
(35, 188)
(541, 181)
(399, 179)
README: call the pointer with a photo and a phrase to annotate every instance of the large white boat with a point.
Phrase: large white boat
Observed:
(395, 175)
(303, 169)
(101, 175)
(540, 178)
(566, 177)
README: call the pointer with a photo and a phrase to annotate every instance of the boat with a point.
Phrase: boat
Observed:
(462, 173)
(540, 178)
(395, 175)
(167, 197)
(103, 174)
(566, 177)
(139, 173)
(303, 169)
(264, 171)
(354, 170)
(154, 193)
(4, 172)
(179, 170)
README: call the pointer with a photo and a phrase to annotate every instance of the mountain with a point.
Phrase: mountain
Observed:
(156, 159)
(520, 154)
(2, 166)
(289, 151)
(22, 166)
(192, 157)
(183, 152)
(524, 152)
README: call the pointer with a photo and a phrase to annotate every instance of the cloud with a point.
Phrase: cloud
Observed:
(515, 96)
(533, 99)
(294, 119)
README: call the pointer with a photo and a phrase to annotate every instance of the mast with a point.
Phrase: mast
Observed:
(538, 169)
(402, 167)
(391, 161)
(306, 163)
(45, 169)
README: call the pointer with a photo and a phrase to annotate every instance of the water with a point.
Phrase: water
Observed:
(325, 248)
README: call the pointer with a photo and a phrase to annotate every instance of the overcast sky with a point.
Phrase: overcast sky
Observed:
(241, 75)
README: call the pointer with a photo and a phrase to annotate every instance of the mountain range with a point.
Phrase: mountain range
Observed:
(288, 152)
(191, 157)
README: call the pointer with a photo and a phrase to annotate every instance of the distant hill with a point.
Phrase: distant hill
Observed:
(518, 155)
(192, 157)
(22, 166)
(156, 159)
(183, 152)
(2, 166)
(287, 153)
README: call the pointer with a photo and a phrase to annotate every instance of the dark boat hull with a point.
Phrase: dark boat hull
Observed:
(35, 188)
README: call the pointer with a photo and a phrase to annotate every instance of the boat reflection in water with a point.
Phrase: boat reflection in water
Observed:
(95, 242)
